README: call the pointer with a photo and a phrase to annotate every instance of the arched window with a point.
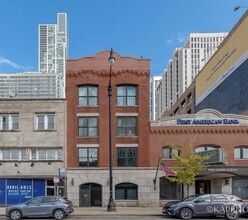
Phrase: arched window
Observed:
(168, 153)
(88, 95)
(126, 191)
(241, 152)
(126, 95)
(202, 148)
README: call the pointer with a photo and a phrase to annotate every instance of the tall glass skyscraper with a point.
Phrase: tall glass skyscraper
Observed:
(53, 41)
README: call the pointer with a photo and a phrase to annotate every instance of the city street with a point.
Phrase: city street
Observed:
(135, 218)
(122, 218)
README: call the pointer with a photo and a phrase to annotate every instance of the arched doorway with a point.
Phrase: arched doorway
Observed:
(90, 194)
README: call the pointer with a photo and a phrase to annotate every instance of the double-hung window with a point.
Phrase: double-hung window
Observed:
(88, 157)
(87, 96)
(45, 121)
(126, 95)
(126, 126)
(87, 126)
(9, 121)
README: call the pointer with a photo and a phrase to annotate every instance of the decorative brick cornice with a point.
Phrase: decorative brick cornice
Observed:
(177, 131)
(105, 73)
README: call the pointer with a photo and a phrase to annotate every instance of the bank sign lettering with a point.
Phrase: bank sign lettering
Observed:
(224, 121)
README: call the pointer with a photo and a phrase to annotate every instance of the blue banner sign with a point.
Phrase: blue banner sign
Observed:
(14, 191)
(224, 121)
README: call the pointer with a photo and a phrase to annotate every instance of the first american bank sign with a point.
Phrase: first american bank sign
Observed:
(223, 121)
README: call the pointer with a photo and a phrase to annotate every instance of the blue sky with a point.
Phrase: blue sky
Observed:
(148, 28)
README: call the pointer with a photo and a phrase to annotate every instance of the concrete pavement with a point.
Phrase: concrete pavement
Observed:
(101, 211)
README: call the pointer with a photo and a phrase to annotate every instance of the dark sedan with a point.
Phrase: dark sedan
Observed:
(206, 205)
(42, 206)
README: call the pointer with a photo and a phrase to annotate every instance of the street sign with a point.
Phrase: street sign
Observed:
(55, 179)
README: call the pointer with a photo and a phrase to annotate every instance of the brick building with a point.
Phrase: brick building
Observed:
(223, 137)
(88, 130)
(139, 144)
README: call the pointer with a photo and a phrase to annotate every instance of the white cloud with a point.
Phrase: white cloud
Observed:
(4, 61)
(176, 39)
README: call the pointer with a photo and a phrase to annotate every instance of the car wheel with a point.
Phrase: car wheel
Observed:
(58, 214)
(231, 215)
(15, 214)
(186, 213)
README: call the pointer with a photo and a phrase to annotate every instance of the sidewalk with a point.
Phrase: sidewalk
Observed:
(100, 211)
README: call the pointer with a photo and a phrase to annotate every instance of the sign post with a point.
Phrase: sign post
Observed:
(56, 182)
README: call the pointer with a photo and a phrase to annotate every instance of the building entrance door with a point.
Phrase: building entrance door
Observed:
(202, 186)
(90, 194)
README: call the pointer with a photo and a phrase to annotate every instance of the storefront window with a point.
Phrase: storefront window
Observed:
(126, 191)
(169, 190)
(239, 187)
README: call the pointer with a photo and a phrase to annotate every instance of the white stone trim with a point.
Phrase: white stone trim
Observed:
(127, 114)
(126, 145)
(87, 114)
(87, 145)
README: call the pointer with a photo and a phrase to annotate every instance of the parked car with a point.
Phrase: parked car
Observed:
(41, 206)
(206, 205)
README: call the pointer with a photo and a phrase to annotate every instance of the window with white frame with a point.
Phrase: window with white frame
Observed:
(47, 154)
(45, 121)
(241, 152)
(13, 154)
(9, 121)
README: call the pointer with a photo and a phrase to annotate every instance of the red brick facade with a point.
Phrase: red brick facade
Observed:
(95, 71)
(224, 137)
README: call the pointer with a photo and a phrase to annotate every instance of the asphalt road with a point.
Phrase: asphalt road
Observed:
(137, 218)
(122, 218)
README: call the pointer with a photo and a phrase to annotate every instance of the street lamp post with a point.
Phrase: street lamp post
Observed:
(111, 204)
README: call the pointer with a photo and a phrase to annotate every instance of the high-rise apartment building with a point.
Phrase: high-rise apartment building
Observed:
(53, 48)
(154, 82)
(185, 63)
(29, 85)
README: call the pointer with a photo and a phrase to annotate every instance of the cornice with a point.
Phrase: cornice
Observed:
(105, 73)
(175, 131)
